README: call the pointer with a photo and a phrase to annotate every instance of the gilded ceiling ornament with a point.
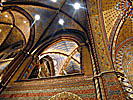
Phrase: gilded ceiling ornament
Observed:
(65, 96)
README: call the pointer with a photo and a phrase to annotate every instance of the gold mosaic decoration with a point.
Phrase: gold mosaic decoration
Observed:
(65, 96)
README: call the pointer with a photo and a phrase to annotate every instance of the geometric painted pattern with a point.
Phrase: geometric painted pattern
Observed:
(65, 88)
(125, 7)
(122, 65)
(73, 66)
(58, 60)
(105, 63)
(110, 16)
(3, 65)
(63, 46)
(65, 56)
(77, 56)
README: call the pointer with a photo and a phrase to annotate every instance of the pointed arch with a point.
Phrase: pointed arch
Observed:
(71, 34)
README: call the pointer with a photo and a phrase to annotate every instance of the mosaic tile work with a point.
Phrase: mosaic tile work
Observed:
(111, 85)
(99, 37)
(80, 86)
(125, 6)
(123, 64)
(125, 32)
(110, 18)
(108, 4)
(125, 24)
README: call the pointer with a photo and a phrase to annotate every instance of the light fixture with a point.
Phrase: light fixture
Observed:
(3, 0)
(76, 6)
(37, 17)
(1, 4)
(11, 26)
(61, 22)
(0, 30)
(54, 0)
(24, 21)
(40, 69)
(6, 15)
(0, 79)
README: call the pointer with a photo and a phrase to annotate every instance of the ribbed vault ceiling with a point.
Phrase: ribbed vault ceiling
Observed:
(17, 26)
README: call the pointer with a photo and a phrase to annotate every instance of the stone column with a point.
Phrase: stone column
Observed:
(86, 60)
(105, 70)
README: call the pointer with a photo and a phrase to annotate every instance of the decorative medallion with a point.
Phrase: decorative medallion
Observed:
(65, 96)
(125, 6)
